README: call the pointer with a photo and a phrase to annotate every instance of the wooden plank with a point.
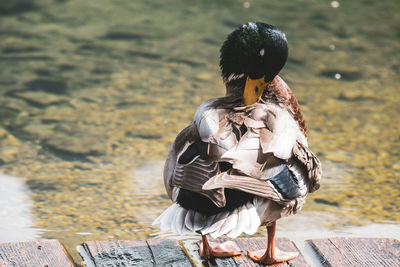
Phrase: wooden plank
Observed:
(350, 251)
(168, 253)
(136, 253)
(119, 253)
(45, 253)
(253, 244)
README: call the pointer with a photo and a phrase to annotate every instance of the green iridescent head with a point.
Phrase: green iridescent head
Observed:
(253, 50)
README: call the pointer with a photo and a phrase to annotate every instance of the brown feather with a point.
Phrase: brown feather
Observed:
(188, 134)
(265, 137)
(194, 175)
(279, 92)
(311, 162)
(244, 183)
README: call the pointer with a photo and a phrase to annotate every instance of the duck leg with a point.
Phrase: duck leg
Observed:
(272, 255)
(209, 250)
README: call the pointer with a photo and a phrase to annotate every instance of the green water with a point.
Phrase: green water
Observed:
(93, 92)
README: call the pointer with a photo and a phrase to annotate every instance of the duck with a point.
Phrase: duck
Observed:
(244, 161)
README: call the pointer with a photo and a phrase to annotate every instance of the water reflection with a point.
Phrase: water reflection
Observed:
(147, 189)
(146, 179)
(17, 221)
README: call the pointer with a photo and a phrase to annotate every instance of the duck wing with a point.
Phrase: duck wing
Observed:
(184, 167)
(308, 159)
(271, 159)
(195, 155)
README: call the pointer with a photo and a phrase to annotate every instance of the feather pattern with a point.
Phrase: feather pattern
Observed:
(216, 224)
(180, 221)
(254, 221)
(311, 162)
(189, 220)
(243, 183)
(166, 217)
(199, 221)
(229, 223)
(192, 177)
(242, 222)
(260, 149)
(177, 219)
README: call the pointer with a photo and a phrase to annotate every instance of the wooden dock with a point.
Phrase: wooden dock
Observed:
(339, 251)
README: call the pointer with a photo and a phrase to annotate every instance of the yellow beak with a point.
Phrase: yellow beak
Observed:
(253, 90)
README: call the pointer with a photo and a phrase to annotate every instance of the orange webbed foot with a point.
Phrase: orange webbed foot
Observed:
(278, 256)
(210, 250)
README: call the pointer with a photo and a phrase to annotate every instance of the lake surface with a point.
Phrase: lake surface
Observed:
(92, 93)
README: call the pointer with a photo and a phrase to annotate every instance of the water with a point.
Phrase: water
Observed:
(93, 93)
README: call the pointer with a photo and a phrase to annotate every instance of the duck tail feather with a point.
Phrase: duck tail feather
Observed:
(228, 225)
(199, 220)
(254, 222)
(242, 222)
(260, 205)
(208, 222)
(244, 219)
(166, 217)
(189, 220)
(215, 223)
(178, 225)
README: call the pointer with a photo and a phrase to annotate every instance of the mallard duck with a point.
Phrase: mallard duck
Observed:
(244, 161)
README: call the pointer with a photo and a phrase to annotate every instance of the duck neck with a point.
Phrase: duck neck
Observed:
(235, 87)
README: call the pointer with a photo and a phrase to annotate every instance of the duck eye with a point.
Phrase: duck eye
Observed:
(256, 89)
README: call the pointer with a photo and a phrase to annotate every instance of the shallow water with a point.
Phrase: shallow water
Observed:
(93, 93)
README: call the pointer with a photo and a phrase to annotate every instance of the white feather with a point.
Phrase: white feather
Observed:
(260, 205)
(174, 227)
(216, 224)
(207, 122)
(248, 155)
(248, 168)
(229, 223)
(285, 132)
(228, 142)
(243, 220)
(166, 218)
(248, 142)
(189, 220)
(246, 150)
(209, 222)
(179, 226)
(175, 193)
(199, 220)
(254, 221)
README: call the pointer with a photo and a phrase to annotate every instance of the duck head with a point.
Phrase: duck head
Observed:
(251, 57)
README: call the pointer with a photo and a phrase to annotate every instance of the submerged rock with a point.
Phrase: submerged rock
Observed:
(326, 202)
(71, 148)
(47, 85)
(16, 6)
(125, 36)
(7, 113)
(20, 49)
(41, 98)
